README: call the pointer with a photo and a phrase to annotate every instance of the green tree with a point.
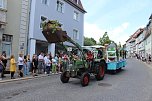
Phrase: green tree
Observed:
(105, 39)
(89, 41)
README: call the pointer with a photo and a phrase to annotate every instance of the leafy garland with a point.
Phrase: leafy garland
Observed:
(52, 25)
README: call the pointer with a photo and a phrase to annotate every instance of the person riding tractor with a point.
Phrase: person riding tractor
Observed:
(89, 59)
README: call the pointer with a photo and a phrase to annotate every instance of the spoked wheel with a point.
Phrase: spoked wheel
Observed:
(65, 77)
(100, 71)
(85, 78)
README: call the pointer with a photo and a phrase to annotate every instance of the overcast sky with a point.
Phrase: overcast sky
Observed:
(120, 18)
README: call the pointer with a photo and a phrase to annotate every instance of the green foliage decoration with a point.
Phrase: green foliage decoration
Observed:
(52, 25)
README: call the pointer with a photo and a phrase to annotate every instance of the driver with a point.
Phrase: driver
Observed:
(89, 58)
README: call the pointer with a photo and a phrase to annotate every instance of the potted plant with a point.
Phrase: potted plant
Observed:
(51, 25)
(53, 32)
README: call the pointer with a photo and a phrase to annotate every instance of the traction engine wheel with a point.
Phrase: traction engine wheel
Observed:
(100, 71)
(85, 78)
(65, 77)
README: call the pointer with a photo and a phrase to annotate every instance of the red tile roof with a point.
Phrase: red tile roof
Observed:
(136, 34)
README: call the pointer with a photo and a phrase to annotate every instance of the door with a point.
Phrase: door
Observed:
(7, 47)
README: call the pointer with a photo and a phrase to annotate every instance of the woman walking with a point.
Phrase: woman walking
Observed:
(12, 66)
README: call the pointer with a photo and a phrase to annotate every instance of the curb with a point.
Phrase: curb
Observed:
(148, 65)
(24, 78)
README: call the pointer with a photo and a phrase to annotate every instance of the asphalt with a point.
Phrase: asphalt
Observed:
(132, 83)
(7, 78)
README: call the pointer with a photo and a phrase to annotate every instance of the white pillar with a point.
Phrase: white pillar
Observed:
(51, 48)
(32, 47)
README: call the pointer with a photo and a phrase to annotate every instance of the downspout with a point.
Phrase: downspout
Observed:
(29, 11)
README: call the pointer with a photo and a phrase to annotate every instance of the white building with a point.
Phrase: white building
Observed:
(69, 13)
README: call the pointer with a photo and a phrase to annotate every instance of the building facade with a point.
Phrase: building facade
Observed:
(69, 13)
(3, 10)
(148, 39)
(141, 41)
(17, 26)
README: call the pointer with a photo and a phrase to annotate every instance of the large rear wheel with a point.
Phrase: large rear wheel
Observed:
(65, 77)
(100, 71)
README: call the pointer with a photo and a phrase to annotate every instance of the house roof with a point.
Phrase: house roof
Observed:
(135, 35)
(77, 4)
(138, 32)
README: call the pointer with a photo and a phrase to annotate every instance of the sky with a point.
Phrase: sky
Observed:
(120, 18)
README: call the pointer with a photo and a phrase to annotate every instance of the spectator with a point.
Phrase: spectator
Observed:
(20, 65)
(29, 64)
(45, 60)
(60, 65)
(54, 64)
(40, 63)
(149, 58)
(4, 60)
(34, 64)
(1, 67)
(12, 66)
(48, 64)
(50, 57)
(26, 70)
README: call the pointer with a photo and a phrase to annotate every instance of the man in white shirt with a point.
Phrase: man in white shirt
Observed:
(20, 65)
(48, 64)
(40, 63)
(45, 60)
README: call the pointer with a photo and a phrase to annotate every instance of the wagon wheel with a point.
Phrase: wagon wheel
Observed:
(85, 78)
(65, 77)
(100, 71)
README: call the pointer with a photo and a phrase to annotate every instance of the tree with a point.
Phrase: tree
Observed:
(105, 39)
(89, 41)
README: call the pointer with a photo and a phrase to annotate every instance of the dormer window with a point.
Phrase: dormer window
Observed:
(76, 1)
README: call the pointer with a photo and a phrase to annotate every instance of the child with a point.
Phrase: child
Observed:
(54, 63)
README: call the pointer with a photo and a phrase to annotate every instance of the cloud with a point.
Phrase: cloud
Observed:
(92, 30)
(116, 34)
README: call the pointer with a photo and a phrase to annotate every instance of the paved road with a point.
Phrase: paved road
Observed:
(134, 83)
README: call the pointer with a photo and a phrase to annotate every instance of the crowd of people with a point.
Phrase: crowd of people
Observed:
(146, 59)
(39, 64)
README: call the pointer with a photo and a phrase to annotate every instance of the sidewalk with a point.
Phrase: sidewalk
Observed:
(149, 64)
(7, 77)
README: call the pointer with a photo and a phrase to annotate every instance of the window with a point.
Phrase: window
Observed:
(43, 19)
(7, 44)
(75, 34)
(76, 1)
(44, 2)
(1, 3)
(76, 15)
(6, 38)
(60, 6)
